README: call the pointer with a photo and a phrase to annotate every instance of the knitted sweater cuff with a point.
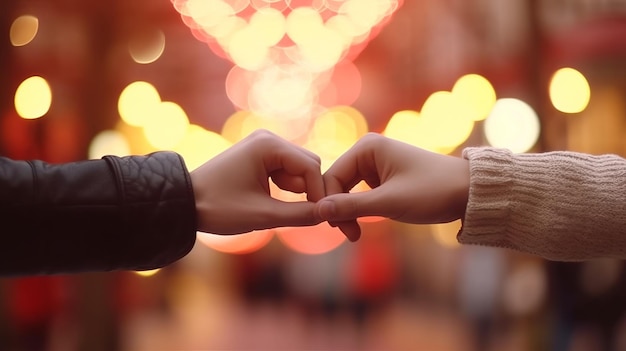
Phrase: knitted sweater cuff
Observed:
(559, 205)
(489, 202)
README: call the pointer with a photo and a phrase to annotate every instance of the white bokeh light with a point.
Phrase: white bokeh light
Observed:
(512, 124)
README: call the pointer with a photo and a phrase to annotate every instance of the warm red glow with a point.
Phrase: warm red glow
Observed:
(347, 81)
(236, 244)
(305, 36)
(314, 240)
(238, 87)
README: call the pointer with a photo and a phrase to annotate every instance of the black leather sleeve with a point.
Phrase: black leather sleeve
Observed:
(116, 213)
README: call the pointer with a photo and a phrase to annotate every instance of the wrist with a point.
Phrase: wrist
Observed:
(461, 189)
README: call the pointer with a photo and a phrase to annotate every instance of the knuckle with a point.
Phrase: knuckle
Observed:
(262, 134)
(372, 139)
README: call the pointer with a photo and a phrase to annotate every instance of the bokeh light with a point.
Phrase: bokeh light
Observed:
(200, 145)
(236, 244)
(242, 123)
(314, 240)
(303, 40)
(447, 119)
(135, 137)
(136, 103)
(477, 94)
(282, 92)
(406, 126)
(147, 46)
(108, 142)
(167, 125)
(247, 51)
(335, 131)
(148, 273)
(33, 98)
(569, 90)
(23, 30)
(512, 124)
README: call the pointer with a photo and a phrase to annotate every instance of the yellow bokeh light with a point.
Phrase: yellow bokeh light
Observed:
(512, 124)
(207, 13)
(269, 25)
(242, 123)
(135, 138)
(446, 120)
(365, 14)
(33, 98)
(225, 29)
(303, 24)
(200, 145)
(246, 50)
(238, 5)
(109, 142)
(136, 102)
(147, 273)
(477, 93)
(147, 47)
(233, 128)
(167, 125)
(441, 130)
(323, 51)
(335, 131)
(281, 92)
(408, 127)
(569, 91)
(23, 30)
(405, 126)
(342, 28)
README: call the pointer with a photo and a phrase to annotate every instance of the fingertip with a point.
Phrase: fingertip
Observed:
(327, 210)
(331, 184)
(351, 230)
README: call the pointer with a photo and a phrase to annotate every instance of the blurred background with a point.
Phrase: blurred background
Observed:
(81, 79)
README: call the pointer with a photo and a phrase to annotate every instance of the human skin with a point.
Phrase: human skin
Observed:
(232, 191)
(409, 185)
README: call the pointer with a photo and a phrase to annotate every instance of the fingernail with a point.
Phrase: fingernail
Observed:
(327, 210)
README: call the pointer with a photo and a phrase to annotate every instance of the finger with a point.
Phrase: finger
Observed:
(342, 207)
(350, 229)
(285, 181)
(337, 185)
(298, 162)
(290, 214)
(357, 164)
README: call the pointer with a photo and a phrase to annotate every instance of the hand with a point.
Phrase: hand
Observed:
(408, 184)
(232, 190)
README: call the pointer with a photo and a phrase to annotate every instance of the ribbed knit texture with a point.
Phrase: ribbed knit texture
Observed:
(562, 206)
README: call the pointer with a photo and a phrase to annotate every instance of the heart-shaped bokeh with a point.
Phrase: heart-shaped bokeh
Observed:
(292, 58)
(317, 34)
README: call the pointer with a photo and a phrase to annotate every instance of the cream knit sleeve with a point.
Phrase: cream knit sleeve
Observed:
(558, 205)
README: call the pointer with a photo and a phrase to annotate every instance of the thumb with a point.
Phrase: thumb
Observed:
(291, 214)
(347, 206)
